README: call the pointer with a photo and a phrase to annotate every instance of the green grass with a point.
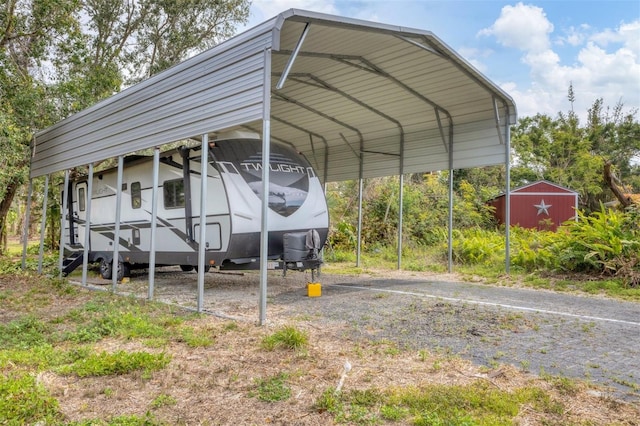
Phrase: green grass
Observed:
(112, 316)
(163, 400)
(287, 337)
(196, 338)
(273, 389)
(121, 362)
(25, 332)
(24, 401)
(353, 407)
(477, 404)
(126, 420)
(31, 344)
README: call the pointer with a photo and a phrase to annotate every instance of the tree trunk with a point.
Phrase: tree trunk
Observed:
(608, 178)
(5, 205)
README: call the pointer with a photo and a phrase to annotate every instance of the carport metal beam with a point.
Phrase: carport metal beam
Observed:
(64, 211)
(289, 99)
(293, 56)
(507, 222)
(116, 232)
(154, 222)
(266, 153)
(87, 226)
(204, 157)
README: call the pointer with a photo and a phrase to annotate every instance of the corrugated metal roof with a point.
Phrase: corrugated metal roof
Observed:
(355, 88)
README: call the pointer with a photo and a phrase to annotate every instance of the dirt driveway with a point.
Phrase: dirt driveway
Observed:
(543, 332)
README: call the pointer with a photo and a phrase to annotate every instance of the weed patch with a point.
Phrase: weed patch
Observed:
(273, 389)
(286, 338)
(121, 362)
(195, 338)
(476, 404)
(24, 401)
(24, 333)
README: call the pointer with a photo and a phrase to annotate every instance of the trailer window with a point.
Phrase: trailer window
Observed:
(136, 195)
(173, 193)
(81, 199)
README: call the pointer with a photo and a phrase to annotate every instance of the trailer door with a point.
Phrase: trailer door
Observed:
(79, 213)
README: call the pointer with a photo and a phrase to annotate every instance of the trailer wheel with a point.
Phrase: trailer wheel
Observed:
(106, 270)
(186, 268)
(206, 268)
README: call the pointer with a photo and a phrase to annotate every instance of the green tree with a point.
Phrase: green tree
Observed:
(31, 33)
(564, 152)
(58, 57)
(615, 136)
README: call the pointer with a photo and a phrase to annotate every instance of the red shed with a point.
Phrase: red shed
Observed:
(541, 205)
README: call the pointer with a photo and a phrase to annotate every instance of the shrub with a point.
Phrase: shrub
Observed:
(530, 249)
(343, 236)
(605, 242)
(476, 246)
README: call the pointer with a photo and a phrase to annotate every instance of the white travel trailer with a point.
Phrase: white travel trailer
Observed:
(298, 221)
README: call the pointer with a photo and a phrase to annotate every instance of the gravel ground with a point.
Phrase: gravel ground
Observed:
(591, 338)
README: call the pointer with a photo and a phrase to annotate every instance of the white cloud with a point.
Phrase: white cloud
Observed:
(471, 54)
(574, 36)
(606, 64)
(627, 34)
(521, 26)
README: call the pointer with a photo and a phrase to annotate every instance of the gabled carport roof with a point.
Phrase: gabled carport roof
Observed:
(359, 99)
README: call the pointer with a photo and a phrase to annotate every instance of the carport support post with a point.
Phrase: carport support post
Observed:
(25, 231)
(87, 226)
(360, 190)
(358, 248)
(400, 202)
(154, 222)
(450, 223)
(116, 232)
(266, 153)
(204, 155)
(64, 210)
(507, 204)
(43, 223)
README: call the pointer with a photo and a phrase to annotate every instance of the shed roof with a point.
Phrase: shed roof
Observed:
(537, 188)
(543, 186)
(392, 97)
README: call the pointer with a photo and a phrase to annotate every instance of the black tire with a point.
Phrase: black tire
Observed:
(206, 268)
(106, 270)
(186, 268)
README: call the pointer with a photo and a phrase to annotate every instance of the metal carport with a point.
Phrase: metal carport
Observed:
(359, 99)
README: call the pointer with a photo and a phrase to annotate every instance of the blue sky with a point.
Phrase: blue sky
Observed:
(532, 49)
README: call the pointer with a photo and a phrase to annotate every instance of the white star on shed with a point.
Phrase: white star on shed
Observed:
(542, 208)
